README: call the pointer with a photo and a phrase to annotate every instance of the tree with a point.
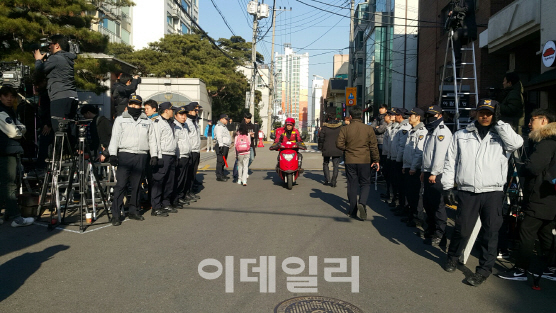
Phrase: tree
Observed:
(23, 24)
(194, 56)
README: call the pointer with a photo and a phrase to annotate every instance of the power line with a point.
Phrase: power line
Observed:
(328, 4)
(223, 18)
(326, 32)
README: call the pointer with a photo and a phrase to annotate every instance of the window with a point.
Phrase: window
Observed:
(170, 20)
(184, 29)
(185, 6)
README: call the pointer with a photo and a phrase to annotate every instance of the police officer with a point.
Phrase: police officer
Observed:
(477, 162)
(437, 141)
(396, 155)
(386, 165)
(412, 161)
(164, 163)
(181, 131)
(195, 140)
(132, 138)
(223, 142)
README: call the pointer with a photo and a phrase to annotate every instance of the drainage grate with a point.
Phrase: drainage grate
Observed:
(316, 305)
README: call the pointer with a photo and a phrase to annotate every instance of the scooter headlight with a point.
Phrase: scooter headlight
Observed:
(288, 156)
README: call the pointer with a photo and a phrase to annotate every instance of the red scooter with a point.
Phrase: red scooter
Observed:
(288, 163)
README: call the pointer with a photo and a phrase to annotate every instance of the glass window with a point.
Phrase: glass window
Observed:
(184, 29)
(169, 20)
(185, 6)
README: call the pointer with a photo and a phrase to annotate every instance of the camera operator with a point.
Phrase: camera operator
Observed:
(46, 136)
(539, 197)
(477, 162)
(58, 68)
(10, 148)
(100, 131)
(122, 89)
(462, 21)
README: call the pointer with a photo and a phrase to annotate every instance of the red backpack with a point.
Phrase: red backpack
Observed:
(242, 144)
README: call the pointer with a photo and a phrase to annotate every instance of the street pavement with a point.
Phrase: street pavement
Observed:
(153, 266)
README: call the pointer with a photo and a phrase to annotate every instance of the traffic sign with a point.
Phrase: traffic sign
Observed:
(351, 96)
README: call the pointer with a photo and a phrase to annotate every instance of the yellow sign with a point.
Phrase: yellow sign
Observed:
(351, 96)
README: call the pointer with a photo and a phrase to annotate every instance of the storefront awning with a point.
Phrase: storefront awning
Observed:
(545, 80)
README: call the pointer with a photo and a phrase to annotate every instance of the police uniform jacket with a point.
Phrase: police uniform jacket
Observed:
(166, 141)
(194, 135)
(181, 132)
(10, 131)
(394, 142)
(480, 165)
(413, 150)
(222, 135)
(436, 145)
(387, 140)
(402, 134)
(133, 136)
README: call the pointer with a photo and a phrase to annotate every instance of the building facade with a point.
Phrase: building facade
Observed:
(356, 74)
(315, 105)
(155, 18)
(390, 63)
(292, 86)
(114, 22)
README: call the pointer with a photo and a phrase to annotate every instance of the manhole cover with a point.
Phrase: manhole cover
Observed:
(316, 305)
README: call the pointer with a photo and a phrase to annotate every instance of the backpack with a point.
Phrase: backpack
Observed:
(242, 144)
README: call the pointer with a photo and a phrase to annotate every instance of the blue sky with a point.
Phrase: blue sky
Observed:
(302, 27)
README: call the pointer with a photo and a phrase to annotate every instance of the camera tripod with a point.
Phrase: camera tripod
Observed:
(63, 156)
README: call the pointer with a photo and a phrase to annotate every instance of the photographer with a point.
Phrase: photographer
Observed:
(462, 22)
(122, 89)
(58, 68)
(10, 148)
(100, 131)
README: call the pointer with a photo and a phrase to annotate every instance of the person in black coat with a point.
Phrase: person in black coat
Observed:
(122, 89)
(464, 30)
(327, 144)
(539, 196)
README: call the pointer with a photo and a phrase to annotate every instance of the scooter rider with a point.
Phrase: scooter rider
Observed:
(291, 134)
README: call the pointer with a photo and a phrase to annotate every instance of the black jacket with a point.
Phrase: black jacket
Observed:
(252, 128)
(539, 194)
(101, 132)
(327, 139)
(120, 95)
(60, 73)
(469, 26)
(379, 125)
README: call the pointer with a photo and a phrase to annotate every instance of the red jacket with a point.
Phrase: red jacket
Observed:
(295, 135)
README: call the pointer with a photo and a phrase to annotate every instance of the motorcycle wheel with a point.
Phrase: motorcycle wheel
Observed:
(289, 178)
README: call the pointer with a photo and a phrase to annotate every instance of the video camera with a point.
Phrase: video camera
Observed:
(14, 74)
(454, 21)
(73, 47)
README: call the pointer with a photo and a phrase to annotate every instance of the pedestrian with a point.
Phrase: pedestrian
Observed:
(412, 162)
(477, 163)
(132, 139)
(384, 163)
(327, 144)
(164, 162)
(379, 125)
(396, 155)
(151, 109)
(511, 107)
(222, 147)
(252, 129)
(195, 140)
(242, 145)
(437, 141)
(181, 131)
(539, 199)
(10, 150)
(122, 90)
(361, 152)
(209, 134)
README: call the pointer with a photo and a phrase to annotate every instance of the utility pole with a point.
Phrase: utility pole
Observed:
(259, 11)
(351, 47)
(271, 73)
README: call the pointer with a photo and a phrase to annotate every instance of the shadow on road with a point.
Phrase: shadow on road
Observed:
(318, 177)
(17, 270)
(333, 200)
